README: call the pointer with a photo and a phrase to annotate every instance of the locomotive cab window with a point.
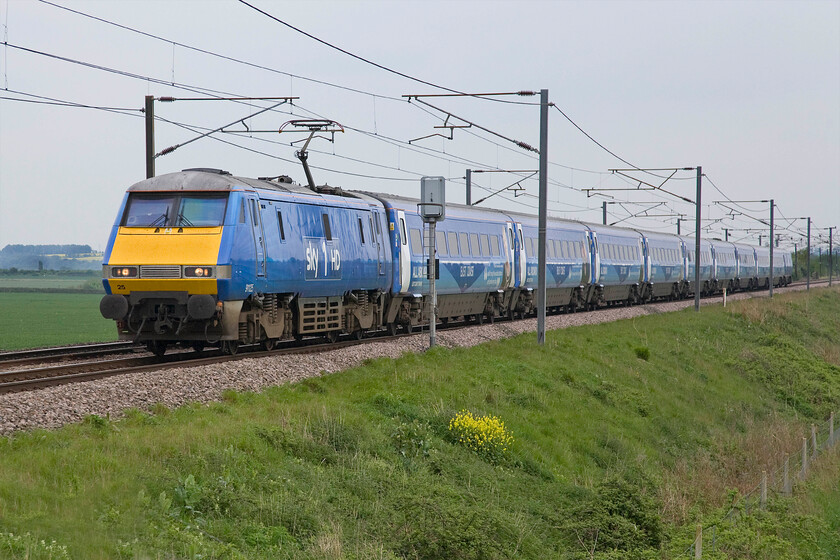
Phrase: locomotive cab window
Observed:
(361, 231)
(175, 210)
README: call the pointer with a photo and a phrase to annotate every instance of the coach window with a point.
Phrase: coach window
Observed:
(372, 231)
(404, 233)
(549, 248)
(453, 244)
(485, 245)
(361, 231)
(465, 245)
(475, 250)
(440, 243)
(494, 246)
(242, 213)
(280, 225)
(416, 242)
(327, 230)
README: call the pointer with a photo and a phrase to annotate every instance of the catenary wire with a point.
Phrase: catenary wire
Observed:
(281, 72)
(377, 65)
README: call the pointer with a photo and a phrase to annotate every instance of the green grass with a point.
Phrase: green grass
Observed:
(608, 421)
(32, 320)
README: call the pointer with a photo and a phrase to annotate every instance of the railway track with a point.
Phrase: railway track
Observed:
(65, 353)
(41, 377)
(47, 376)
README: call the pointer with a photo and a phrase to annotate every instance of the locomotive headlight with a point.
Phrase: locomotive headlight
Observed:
(124, 272)
(198, 271)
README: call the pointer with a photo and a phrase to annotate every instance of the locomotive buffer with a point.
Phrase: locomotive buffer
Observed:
(432, 208)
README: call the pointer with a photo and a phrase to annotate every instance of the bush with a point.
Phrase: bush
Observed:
(485, 435)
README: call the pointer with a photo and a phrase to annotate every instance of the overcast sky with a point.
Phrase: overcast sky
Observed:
(748, 90)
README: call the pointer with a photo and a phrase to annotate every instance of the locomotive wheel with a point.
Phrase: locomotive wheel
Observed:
(479, 319)
(268, 344)
(332, 336)
(156, 347)
(198, 346)
(491, 318)
(392, 329)
(230, 347)
(409, 328)
(359, 334)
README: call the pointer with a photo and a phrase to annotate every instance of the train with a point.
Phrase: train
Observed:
(203, 258)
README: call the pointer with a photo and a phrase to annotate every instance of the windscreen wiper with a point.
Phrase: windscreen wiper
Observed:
(182, 220)
(159, 218)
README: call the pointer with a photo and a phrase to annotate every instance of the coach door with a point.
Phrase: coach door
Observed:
(376, 233)
(405, 253)
(521, 260)
(509, 280)
(259, 238)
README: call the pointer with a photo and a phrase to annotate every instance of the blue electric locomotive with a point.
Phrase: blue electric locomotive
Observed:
(203, 257)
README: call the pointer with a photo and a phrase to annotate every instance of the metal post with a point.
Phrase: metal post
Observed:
(795, 260)
(432, 269)
(831, 429)
(772, 274)
(813, 441)
(819, 263)
(543, 215)
(808, 258)
(150, 136)
(697, 242)
(678, 225)
(830, 254)
(469, 187)
(605, 212)
(726, 233)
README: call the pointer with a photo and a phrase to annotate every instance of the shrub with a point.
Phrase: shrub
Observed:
(642, 352)
(485, 435)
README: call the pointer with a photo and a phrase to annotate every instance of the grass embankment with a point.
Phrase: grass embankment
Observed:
(625, 435)
(32, 320)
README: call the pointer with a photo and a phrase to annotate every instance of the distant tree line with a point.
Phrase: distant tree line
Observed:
(67, 250)
(48, 257)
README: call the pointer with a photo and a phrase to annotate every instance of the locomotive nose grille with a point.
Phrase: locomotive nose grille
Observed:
(157, 271)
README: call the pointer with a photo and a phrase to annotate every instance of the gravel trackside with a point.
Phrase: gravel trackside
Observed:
(56, 406)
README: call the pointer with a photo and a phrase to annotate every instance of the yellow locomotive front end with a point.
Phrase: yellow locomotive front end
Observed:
(161, 268)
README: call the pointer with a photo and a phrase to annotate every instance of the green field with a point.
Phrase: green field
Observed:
(51, 280)
(625, 435)
(33, 320)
